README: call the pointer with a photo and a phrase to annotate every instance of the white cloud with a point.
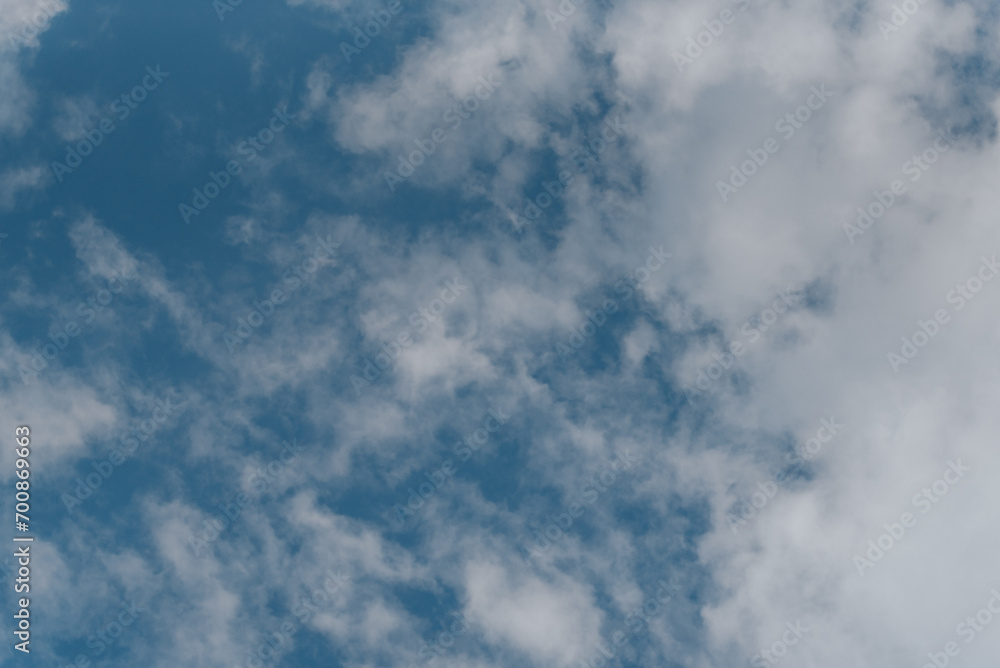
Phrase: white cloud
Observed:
(21, 23)
(15, 181)
(782, 230)
(549, 622)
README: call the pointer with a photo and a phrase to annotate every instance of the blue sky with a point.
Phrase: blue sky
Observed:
(510, 334)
